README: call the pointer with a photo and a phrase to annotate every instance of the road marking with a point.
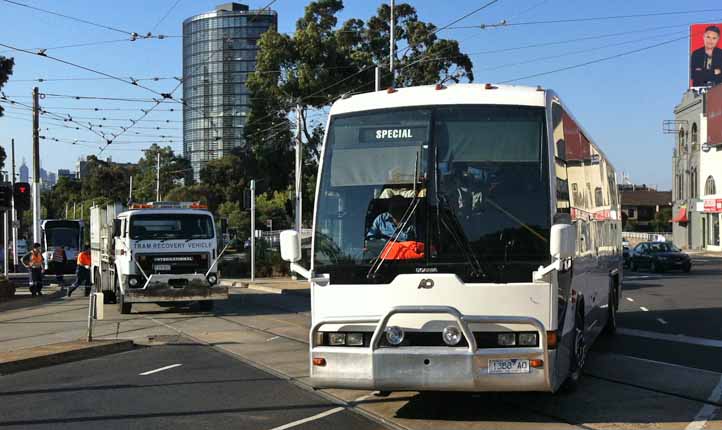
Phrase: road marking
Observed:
(644, 309)
(309, 419)
(671, 337)
(272, 338)
(708, 411)
(630, 299)
(662, 321)
(664, 363)
(160, 369)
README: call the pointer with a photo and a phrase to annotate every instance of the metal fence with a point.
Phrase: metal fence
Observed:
(635, 236)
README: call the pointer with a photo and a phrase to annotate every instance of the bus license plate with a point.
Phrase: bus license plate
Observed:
(513, 365)
(162, 267)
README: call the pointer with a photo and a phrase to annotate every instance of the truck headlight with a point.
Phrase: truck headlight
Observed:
(133, 282)
(212, 278)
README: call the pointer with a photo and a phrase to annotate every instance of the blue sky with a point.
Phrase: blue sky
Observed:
(621, 102)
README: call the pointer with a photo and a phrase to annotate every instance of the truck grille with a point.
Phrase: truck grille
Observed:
(174, 264)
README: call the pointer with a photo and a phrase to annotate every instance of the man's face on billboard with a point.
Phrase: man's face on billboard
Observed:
(710, 39)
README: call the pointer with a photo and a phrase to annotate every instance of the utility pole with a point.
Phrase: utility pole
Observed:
(377, 78)
(253, 229)
(36, 167)
(299, 177)
(157, 179)
(130, 192)
(14, 214)
(392, 42)
(74, 215)
(66, 210)
(5, 241)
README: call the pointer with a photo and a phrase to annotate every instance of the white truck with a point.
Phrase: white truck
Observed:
(155, 252)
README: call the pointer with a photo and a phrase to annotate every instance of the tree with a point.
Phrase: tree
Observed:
(173, 171)
(321, 61)
(6, 69)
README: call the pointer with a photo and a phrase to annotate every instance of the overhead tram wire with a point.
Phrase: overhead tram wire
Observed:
(165, 15)
(84, 21)
(585, 19)
(598, 60)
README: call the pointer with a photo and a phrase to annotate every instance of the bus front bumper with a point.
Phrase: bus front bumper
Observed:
(408, 368)
(176, 288)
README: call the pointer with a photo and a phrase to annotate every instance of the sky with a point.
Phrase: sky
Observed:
(620, 102)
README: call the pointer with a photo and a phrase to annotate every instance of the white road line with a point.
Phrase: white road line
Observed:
(644, 309)
(671, 337)
(664, 363)
(630, 299)
(322, 414)
(309, 419)
(708, 411)
(160, 369)
(662, 321)
(272, 338)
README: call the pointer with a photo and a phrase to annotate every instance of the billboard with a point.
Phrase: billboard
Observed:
(714, 115)
(705, 55)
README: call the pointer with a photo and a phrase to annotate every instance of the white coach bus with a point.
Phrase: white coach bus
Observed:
(466, 238)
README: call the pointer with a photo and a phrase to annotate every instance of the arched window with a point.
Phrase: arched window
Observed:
(694, 134)
(709, 187)
(680, 146)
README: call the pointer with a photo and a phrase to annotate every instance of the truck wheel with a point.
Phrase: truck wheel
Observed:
(206, 305)
(123, 307)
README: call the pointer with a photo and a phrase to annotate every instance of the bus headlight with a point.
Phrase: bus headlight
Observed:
(527, 339)
(337, 339)
(451, 335)
(394, 335)
(506, 339)
(355, 339)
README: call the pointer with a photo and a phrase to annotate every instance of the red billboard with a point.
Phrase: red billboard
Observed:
(705, 55)
(714, 115)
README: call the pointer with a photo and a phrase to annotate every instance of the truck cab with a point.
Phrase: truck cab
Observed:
(161, 252)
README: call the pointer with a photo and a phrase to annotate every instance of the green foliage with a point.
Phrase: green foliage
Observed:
(173, 171)
(6, 69)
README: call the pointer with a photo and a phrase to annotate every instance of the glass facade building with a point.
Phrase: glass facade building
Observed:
(219, 53)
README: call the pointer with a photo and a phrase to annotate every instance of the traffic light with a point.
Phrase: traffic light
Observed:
(6, 195)
(21, 194)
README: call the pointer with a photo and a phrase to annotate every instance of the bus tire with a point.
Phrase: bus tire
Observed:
(578, 351)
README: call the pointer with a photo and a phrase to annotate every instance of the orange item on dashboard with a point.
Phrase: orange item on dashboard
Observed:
(408, 250)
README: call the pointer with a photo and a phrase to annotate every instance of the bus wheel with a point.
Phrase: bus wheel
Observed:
(578, 352)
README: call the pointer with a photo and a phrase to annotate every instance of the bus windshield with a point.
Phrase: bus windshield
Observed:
(67, 237)
(453, 189)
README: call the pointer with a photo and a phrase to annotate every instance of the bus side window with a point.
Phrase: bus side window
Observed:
(560, 161)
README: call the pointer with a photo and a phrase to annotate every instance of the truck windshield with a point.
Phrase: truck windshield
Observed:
(456, 189)
(170, 226)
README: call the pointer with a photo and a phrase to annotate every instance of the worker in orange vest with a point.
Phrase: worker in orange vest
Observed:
(82, 271)
(34, 261)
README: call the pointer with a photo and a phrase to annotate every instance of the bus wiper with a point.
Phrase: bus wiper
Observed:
(410, 210)
(457, 233)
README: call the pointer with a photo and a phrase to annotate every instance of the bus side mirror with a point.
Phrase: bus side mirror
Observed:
(563, 240)
(290, 246)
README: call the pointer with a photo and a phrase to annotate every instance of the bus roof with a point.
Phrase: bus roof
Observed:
(428, 95)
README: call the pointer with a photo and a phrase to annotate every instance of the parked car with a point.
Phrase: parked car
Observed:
(658, 257)
(626, 255)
